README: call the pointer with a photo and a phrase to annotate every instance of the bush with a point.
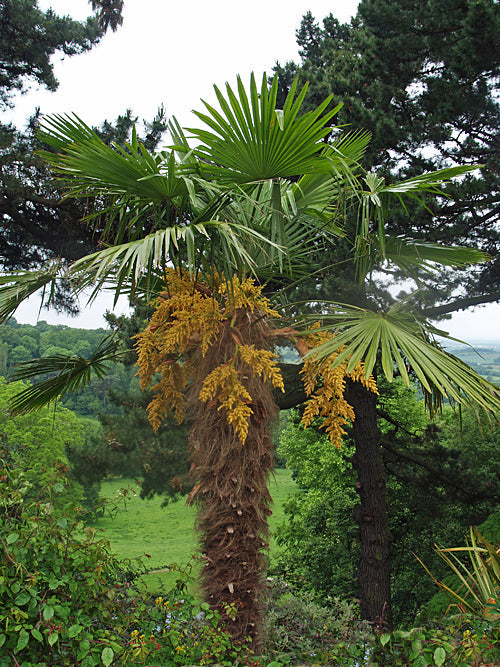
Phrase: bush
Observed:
(460, 645)
(299, 629)
(64, 600)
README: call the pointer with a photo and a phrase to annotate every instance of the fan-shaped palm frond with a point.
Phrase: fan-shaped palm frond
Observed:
(73, 373)
(376, 200)
(409, 255)
(135, 191)
(250, 140)
(403, 341)
(90, 167)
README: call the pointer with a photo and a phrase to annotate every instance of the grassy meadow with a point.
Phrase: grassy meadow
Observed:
(166, 534)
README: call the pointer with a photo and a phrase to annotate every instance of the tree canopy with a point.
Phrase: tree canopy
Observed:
(29, 37)
(423, 78)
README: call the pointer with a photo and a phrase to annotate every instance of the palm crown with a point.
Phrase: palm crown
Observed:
(254, 196)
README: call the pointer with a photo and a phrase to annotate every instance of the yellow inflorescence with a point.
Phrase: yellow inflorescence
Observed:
(325, 387)
(246, 295)
(188, 316)
(262, 362)
(225, 384)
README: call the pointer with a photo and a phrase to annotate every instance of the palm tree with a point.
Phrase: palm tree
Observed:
(200, 232)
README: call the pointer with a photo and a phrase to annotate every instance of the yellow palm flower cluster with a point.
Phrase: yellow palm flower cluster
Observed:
(325, 386)
(246, 295)
(225, 383)
(188, 317)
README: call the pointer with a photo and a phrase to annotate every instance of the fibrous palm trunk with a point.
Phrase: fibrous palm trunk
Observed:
(231, 480)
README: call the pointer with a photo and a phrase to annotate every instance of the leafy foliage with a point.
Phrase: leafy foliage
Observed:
(299, 629)
(67, 346)
(479, 590)
(27, 57)
(435, 107)
(437, 645)
(441, 479)
(64, 599)
(35, 443)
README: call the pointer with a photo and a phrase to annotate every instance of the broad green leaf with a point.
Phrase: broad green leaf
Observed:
(250, 142)
(48, 612)
(107, 656)
(53, 638)
(74, 631)
(439, 656)
(405, 342)
(23, 598)
(37, 634)
(22, 640)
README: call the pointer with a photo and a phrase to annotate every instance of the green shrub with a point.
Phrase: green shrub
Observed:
(182, 632)
(64, 600)
(299, 630)
(461, 645)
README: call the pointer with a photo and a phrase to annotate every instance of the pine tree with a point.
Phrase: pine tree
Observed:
(423, 78)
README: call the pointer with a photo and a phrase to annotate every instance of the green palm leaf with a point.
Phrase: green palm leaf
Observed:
(73, 373)
(401, 340)
(17, 287)
(131, 186)
(376, 200)
(408, 254)
(91, 167)
(249, 140)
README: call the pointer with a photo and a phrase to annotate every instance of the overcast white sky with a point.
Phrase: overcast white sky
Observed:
(172, 53)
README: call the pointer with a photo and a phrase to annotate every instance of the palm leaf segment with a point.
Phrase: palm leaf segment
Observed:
(405, 344)
(373, 246)
(72, 373)
(252, 141)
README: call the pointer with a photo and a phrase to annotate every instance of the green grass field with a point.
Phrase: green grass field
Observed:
(166, 534)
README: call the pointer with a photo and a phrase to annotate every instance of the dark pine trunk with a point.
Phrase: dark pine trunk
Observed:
(374, 574)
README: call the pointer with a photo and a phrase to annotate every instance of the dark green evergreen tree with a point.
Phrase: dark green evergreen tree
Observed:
(440, 480)
(423, 78)
(29, 37)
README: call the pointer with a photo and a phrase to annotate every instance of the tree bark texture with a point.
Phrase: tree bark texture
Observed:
(231, 487)
(374, 574)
